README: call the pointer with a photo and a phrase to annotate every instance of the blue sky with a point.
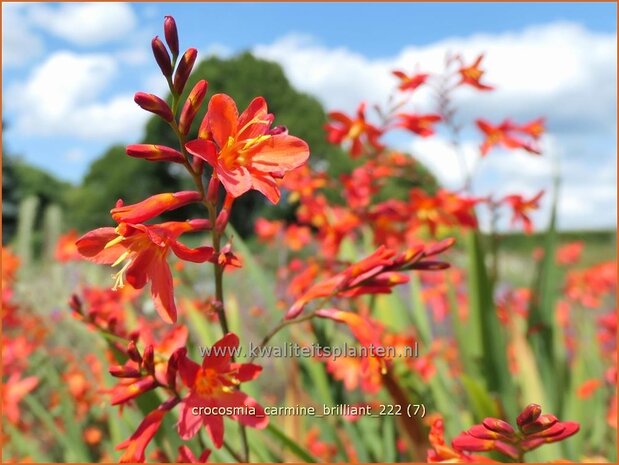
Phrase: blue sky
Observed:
(70, 70)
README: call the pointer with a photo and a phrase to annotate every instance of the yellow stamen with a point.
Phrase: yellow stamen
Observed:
(113, 242)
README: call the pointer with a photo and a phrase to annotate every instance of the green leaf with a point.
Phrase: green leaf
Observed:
(290, 444)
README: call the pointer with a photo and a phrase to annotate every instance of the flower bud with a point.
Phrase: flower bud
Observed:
(197, 164)
(149, 359)
(191, 107)
(153, 206)
(124, 371)
(171, 34)
(529, 415)
(212, 192)
(153, 152)
(184, 70)
(76, 304)
(154, 104)
(540, 424)
(162, 57)
(172, 370)
(133, 353)
(133, 390)
(499, 426)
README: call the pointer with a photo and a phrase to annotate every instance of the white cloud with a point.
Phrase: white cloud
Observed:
(560, 70)
(20, 45)
(85, 24)
(63, 97)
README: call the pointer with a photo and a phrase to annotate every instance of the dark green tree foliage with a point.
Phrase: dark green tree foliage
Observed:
(21, 180)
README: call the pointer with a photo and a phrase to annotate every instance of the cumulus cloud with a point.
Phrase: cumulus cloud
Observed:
(63, 96)
(560, 70)
(85, 24)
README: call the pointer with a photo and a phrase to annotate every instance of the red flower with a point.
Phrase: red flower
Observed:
(411, 82)
(503, 135)
(242, 150)
(569, 254)
(15, 389)
(358, 131)
(471, 75)
(145, 249)
(522, 208)
(419, 124)
(214, 386)
(65, 247)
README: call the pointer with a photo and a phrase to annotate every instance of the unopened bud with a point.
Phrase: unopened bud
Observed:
(154, 104)
(149, 359)
(171, 34)
(162, 57)
(184, 70)
(213, 189)
(76, 304)
(153, 152)
(133, 353)
(529, 415)
(123, 371)
(191, 107)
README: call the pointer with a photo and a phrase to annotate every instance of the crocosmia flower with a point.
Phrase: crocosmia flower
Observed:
(471, 75)
(244, 151)
(214, 392)
(144, 249)
(358, 131)
(410, 83)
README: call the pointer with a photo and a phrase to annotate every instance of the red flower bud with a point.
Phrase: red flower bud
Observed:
(184, 70)
(191, 107)
(123, 371)
(172, 370)
(153, 152)
(162, 57)
(153, 206)
(131, 391)
(198, 165)
(542, 423)
(149, 359)
(171, 34)
(213, 189)
(76, 304)
(133, 353)
(528, 415)
(468, 443)
(154, 104)
(499, 426)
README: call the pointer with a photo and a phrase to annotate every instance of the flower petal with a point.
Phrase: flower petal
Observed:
(223, 116)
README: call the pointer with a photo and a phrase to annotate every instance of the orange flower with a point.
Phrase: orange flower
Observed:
(14, 390)
(588, 388)
(569, 254)
(244, 152)
(356, 131)
(145, 248)
(214, 385)
(66, 249)
(522, 208)
(471, 75)
(411, 82)
(503, 134)
(419, 124)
